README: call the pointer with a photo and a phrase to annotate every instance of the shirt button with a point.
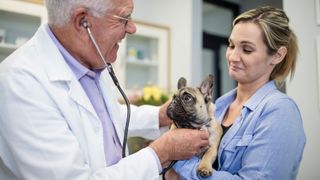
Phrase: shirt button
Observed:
(97, 129)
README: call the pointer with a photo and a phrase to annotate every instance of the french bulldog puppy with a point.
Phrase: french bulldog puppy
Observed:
(193, 108)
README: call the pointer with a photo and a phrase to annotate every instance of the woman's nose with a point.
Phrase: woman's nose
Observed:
(233, 55)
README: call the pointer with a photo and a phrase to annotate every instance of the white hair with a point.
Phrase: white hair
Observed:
(60, 11)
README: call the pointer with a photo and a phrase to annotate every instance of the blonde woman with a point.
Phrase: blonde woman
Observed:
(263, 132)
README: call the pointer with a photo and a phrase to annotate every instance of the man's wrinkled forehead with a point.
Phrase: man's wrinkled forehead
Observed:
(123, 6)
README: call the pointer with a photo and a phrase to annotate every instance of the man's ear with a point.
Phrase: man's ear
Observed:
(78, 17)
(279, 55)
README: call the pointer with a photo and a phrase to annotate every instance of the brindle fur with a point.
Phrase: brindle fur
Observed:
(193, 108)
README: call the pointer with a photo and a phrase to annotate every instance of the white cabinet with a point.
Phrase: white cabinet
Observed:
(19, 21)
(144, 58)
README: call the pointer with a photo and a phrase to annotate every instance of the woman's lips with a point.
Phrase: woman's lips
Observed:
(233, 67)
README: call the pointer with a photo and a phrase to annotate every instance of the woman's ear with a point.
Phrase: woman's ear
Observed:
(279, 55)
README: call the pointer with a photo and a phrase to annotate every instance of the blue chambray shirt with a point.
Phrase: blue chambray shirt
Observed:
(265, 142)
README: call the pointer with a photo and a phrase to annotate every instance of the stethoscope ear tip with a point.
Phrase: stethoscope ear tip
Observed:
(85, 24)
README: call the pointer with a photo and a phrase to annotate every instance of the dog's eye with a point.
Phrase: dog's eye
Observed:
(187, 98)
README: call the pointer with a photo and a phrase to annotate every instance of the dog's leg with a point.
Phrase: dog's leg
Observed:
(172, 127)
(205, 166)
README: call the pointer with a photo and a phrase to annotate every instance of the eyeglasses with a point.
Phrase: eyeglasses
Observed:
(123, 20)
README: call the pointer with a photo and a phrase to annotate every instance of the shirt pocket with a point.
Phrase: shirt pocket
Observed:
(244, 141)
(233, 153)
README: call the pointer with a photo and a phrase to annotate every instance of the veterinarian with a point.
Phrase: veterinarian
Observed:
(263, 132)
(59, 115)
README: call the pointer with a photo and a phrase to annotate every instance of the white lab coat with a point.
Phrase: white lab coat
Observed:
(49, 129)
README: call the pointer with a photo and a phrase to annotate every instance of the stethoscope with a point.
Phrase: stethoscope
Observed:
(85, 24)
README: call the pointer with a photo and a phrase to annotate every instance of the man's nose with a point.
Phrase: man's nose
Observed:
(131, 27)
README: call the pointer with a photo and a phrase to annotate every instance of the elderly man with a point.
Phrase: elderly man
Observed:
(58, 112)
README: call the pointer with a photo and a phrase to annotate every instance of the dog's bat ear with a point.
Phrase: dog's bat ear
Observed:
(182, 83)
(206, 87)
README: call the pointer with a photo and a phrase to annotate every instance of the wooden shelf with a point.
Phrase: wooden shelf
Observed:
(34, 1)
(145, 63)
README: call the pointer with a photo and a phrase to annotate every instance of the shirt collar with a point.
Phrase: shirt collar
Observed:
(253, 101)
(223, 102)
(78, 69)
(260, 94)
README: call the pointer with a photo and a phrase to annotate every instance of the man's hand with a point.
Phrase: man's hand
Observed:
(164, 120)
(180, 144)
(172, 175)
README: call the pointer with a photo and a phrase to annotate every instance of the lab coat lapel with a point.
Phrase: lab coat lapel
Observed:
(77, 93)
(82, 119)
(58, 70)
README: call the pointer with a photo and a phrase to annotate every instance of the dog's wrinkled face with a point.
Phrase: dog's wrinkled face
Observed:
(192, 107)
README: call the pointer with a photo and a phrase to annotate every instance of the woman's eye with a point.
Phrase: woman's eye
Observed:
(247, 49)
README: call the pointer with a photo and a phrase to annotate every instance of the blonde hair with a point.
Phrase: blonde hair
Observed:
(276, 33)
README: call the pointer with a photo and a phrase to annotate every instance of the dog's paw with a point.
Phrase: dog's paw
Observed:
(205, 171)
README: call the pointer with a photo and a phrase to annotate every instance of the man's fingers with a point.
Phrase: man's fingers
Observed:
(203, 143)
(204, 134)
